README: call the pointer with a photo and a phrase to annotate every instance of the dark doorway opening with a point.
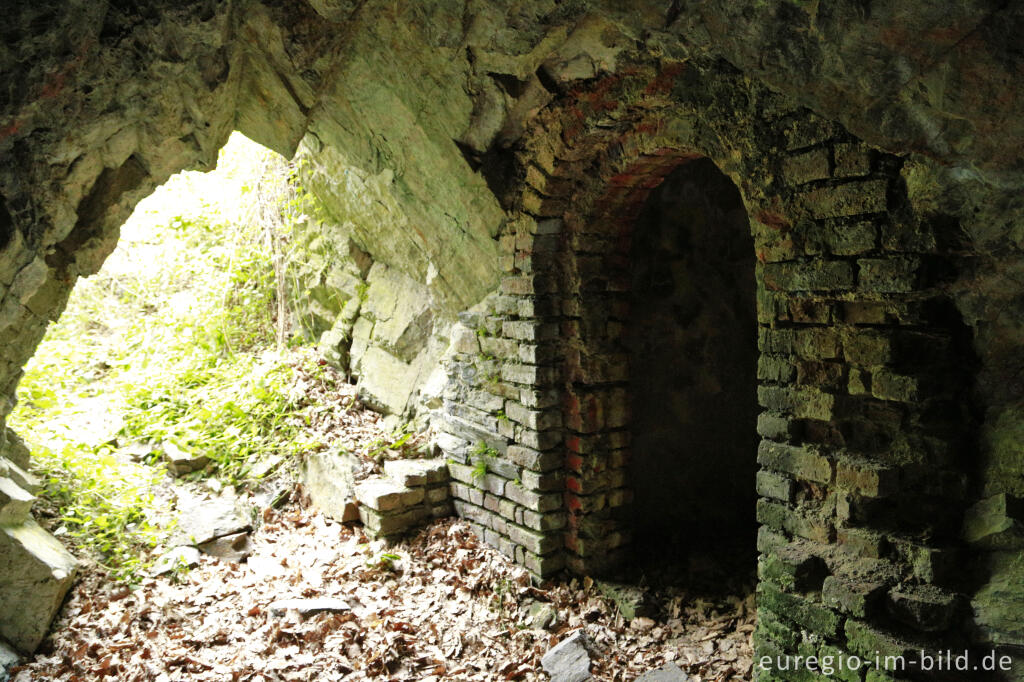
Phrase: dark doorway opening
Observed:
(692, 345)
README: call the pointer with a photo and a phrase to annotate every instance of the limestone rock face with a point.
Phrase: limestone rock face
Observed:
(35, 573)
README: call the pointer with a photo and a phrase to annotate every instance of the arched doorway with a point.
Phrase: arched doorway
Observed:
(692, 346)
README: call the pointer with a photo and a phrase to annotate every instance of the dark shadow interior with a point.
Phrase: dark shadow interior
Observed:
(693, 367)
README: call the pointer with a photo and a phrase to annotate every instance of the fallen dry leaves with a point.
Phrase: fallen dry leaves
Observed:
(438, 606)
(448, 608)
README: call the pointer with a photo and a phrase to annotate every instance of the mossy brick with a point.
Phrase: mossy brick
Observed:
(768, 540)
(866, 477)
(532, 541)
(539, 440)
(383, 495)
(775, 426)
(781, 517)
(888, 385)
(861, 542)
(531, 499)
(899, 236)
(774, 368)
(619, 497)
(793, 567)
(441, 510)
(799, 460)
(501, 466)
(535, 460)
(502, 389)
(545, 565)
(528, 284)
(529, 330)
(814, 275)
(416, 472)
(823, 374)
(868, 348)
(860, 598)
(893, 275)
(586, 504)
(538, 397)
(465, 341)
(503, 305)
(802, 402)
(534, 375)
(544, 482)
(849, 199)
(809, 311)
(781, 634)
(548, 521)
(833, 662)
(379, 523)
(537, 243)
(507, 509)
(468, 493)
(805, 167)
(506, 429)
(537, 354)
(437, 494)
(539, 420)
(840, 238)
(462, 473)
(772, 306)
(858, 382)
(776, 486)
(869, 642)
(926, 608)
(808, 343)
(492, 483)
(504, 349)
(851, 160)
(484, 401)
(798, 609)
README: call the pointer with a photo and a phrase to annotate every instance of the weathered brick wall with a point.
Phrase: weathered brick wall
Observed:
(866, 430)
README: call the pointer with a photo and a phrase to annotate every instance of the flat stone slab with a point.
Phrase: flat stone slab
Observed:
(569, 660)
(385, 495)
(670, 672)
(202, 520)
(179, 557)
(416, 472)
(237, 547)
(308, 607)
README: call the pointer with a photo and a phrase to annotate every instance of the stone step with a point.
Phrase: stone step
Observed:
(416, 472)
(35, 572)
(384, 494)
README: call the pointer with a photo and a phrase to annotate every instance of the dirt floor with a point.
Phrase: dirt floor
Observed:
(440, 605)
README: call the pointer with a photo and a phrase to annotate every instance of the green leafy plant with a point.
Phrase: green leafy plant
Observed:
(186, 348)
(482, 454)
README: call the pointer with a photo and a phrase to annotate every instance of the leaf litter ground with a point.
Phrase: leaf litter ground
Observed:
(438, 605)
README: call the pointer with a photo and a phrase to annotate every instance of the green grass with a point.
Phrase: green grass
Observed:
(179, 338)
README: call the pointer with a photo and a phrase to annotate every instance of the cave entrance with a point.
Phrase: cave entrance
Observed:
(692, 347)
